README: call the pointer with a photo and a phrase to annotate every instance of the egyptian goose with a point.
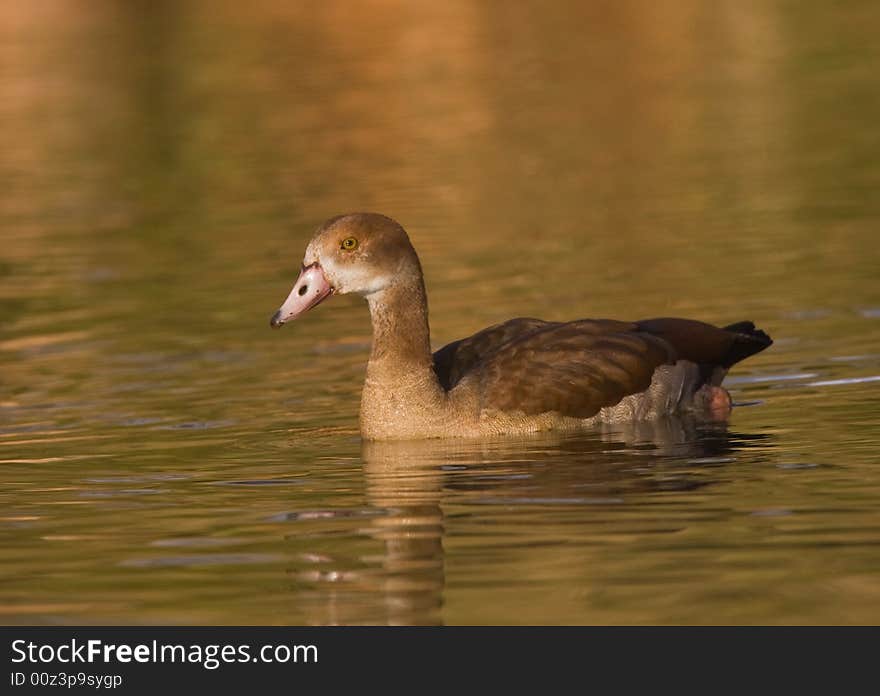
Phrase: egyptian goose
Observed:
(521, 376)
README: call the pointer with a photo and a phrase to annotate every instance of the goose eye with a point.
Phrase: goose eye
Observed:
(349, 244)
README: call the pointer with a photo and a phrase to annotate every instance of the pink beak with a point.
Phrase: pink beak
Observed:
(310, 289)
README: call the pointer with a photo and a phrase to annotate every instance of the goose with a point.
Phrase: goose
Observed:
(521, 376)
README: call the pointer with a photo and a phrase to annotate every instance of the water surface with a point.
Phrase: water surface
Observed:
(166, 458)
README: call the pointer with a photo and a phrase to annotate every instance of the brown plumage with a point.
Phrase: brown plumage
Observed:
(519, 376)
(577, 368)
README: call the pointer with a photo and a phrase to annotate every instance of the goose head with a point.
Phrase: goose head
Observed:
(361, 253)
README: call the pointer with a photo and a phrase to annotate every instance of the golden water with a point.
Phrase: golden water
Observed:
(166, 458)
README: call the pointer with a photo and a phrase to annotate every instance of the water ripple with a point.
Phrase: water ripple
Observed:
(202, 560)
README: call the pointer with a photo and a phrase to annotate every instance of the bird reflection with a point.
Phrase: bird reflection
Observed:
(409, 483)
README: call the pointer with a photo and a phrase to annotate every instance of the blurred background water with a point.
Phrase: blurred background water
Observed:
(166, 458)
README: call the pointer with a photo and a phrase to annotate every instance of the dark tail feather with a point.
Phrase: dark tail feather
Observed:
(747, 340)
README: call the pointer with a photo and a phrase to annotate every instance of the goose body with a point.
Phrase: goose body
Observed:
(521, 376)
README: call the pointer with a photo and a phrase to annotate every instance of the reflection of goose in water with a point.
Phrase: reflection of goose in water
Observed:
(412, 485)
(522, 376)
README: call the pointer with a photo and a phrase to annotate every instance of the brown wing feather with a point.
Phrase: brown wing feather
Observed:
(456, 359)
(579, 367)
(705, 344)
(574, 369)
